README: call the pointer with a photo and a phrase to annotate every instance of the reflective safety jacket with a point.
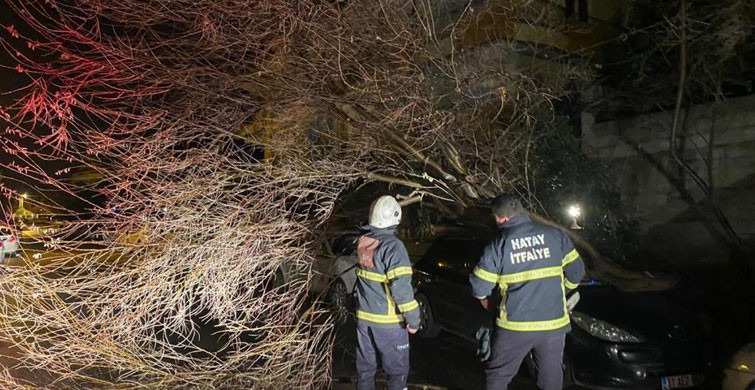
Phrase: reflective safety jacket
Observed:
(534, 266)
(384, 281)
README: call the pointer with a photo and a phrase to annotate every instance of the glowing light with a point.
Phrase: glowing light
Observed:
(574, 211)
(744, 368)
(25, 196)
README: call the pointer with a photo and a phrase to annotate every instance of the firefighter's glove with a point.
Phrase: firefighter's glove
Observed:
(483, 343)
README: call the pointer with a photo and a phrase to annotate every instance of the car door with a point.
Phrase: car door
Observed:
(454, 307)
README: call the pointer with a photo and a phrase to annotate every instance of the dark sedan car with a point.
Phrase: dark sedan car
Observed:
(618, 339)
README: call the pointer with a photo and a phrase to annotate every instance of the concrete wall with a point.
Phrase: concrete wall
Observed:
(637, 149)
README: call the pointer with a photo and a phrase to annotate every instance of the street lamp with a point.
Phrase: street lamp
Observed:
(574, 212)
(21, 200)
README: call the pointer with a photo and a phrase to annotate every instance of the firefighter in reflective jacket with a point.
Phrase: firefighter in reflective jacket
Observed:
(387, 311)
(534, 266)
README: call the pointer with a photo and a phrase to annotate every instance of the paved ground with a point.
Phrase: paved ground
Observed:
(445, 362)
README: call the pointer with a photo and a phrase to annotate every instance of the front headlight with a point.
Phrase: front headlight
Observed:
(603, 330)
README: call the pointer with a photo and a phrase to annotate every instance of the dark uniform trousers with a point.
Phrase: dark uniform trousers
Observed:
(391, 346)
(511, 347)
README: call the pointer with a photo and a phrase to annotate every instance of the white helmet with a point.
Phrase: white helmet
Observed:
(385, 212)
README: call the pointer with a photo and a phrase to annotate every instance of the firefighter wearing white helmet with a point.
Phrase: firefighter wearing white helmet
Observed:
(387, 311)
(385, 212)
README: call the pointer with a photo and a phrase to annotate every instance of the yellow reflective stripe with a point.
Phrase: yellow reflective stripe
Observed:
(570, 285)
(409, 306)
(389, 300)
(571, 256)
(398, 271)
(531, 275)
(373, 276)
(379, 318)
(502, 315)
(563, 295)
(533, 325)
(485, 275)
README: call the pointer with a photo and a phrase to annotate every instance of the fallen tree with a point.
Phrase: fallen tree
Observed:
(222, 133)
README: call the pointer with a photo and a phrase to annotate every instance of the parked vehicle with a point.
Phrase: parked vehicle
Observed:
(9, 245)
(739, 373)
(618, 339)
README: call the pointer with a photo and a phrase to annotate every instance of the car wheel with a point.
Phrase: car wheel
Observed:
(429, 327)
(568, 373)
(339, 299)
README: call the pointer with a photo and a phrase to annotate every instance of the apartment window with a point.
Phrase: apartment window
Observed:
(580, 6)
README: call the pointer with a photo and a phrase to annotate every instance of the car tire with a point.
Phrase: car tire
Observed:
(568, 373)
(429, 328)
(339, 300)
